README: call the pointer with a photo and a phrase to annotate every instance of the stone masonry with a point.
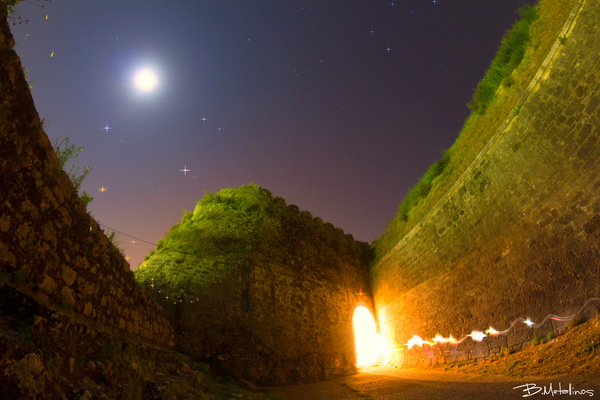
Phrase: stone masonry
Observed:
(518, 235)
(301, 296)
(50, 248)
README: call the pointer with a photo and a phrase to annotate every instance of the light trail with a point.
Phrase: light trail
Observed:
(479, 336)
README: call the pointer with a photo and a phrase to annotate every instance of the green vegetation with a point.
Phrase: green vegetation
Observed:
(7, 7)
(506, 351)
(223, 231)
(218, 235)
(66, 154)
(594, 342)
(422, 188)
(509, 56)
(29, 83)
(521, 52)
(536, 340)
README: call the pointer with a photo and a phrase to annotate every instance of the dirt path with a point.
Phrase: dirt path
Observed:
(388, 383)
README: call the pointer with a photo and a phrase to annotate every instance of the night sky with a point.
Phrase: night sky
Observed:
(339, 107)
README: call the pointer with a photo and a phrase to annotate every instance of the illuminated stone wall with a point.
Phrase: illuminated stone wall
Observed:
(50, 248)
(301, 294)
(518, 234)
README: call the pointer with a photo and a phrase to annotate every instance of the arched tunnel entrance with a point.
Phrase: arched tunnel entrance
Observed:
(367, 342)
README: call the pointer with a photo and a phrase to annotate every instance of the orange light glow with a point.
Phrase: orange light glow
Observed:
(367, 341)
(492, 331)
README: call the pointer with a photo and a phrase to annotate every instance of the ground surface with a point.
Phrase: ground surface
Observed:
(389, 383)
(568, 357)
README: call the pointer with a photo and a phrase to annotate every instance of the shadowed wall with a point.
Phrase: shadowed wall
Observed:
(50, 248)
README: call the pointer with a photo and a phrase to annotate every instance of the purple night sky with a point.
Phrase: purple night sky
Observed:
(339, 107)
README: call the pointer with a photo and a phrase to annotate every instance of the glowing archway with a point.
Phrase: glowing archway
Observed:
(366, 340)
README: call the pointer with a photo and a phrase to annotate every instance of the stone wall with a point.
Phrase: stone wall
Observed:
(301, 297)
(50, 248)
(517, 236)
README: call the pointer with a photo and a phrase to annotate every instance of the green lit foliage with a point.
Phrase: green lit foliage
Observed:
(208, 242)
(509, 56)
(422, 189)
(7, 7)
(65, 154)
(29, 83)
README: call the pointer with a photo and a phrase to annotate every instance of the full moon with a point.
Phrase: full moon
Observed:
(146, 80)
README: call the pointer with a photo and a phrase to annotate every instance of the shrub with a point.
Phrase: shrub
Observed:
(537, 340)
(506, 351)
(509, 56)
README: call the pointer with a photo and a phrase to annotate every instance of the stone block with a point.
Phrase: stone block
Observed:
(68, 275)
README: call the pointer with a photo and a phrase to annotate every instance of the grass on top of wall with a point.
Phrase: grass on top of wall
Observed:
(219, 234)
(521, 53)
(224, 229)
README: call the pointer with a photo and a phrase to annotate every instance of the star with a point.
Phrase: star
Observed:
(219, 129)
(102, 189)
(372, 31)
(106, 128)
(388, 50)
(185, 170)
(133, 241)
(434, 1)
(203, 119)
(392, 4)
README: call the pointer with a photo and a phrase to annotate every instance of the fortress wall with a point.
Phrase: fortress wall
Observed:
(50, 248)
(301, 294)
(518, 236)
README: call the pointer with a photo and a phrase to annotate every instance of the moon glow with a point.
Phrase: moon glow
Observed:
(145, 80)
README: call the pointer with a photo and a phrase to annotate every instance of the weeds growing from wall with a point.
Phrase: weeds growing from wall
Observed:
(7, 8)
(115, 242)
(65, 155)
